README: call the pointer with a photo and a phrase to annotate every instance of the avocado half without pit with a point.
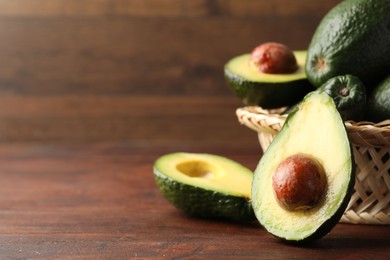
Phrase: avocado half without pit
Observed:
(271, 76)
(205, 185)
(303, 182)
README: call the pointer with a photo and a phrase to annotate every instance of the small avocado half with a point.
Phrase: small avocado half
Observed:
(314, 128)
(263, 89)
(205, 185)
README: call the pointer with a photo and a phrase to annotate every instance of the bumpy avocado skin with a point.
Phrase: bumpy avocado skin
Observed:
(352, 38)
(349, 94)
(353, 105)
(202, 203)
(379, 102)
(267, 94)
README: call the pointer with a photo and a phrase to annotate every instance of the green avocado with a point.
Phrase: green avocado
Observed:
(315, 129)
(205, 185)
(352, 38)
(349, 94)
(379, 102)
(264, 89)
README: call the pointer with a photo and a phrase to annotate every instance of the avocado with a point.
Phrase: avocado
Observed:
(205, 185)
(265, 89)
(316, 187)
(379, 102)
(349, 94)
(352, 38)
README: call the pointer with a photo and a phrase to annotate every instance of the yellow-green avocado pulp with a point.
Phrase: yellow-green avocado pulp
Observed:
(263, 89)
(205, 185)
(314, 128)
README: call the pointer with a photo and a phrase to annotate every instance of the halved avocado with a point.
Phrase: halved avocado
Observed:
(205, 185)
(264, 89)
(316, 129)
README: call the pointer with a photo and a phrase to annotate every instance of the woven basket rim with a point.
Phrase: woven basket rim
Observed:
(363, 133)
(370, 142)
(276, 113)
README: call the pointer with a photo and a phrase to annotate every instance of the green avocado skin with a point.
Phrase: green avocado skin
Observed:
(379, 102)
(328, 225)
(263, 93)
(352, 38)
(202, 203)
(349, 94)
(351, 106)
(334, 219)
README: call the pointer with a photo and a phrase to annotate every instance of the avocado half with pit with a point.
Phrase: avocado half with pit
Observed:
(205, 185)
(265, 89)
(303, 182)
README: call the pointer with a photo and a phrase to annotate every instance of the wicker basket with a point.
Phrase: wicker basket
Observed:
(370, 201)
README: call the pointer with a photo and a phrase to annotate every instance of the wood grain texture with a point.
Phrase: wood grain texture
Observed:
(166, 121)
(159, 56)
(99, 201)
(164, 8)
(113, 85)
(131, 50)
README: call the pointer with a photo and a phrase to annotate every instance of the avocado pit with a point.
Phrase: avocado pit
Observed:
(299, 182)
(273, 58)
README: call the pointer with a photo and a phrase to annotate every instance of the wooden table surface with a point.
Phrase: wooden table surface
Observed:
(99, 201)
(93, 92)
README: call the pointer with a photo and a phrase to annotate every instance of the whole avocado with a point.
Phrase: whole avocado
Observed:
(379, 102)
(349, 94)
(352, 38)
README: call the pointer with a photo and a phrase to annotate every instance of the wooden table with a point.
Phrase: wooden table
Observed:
(99, 201)
(93, 92)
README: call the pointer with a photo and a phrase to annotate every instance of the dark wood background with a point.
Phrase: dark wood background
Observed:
(93, 91)
(134, 71)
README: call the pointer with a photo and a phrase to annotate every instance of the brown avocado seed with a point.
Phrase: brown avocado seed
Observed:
(273, 58)
(299, 182)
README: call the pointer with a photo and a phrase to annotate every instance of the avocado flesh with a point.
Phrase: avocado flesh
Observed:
(263, 89)
(240, 66)
(314, 128)
(352, 38)
(205, 185)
